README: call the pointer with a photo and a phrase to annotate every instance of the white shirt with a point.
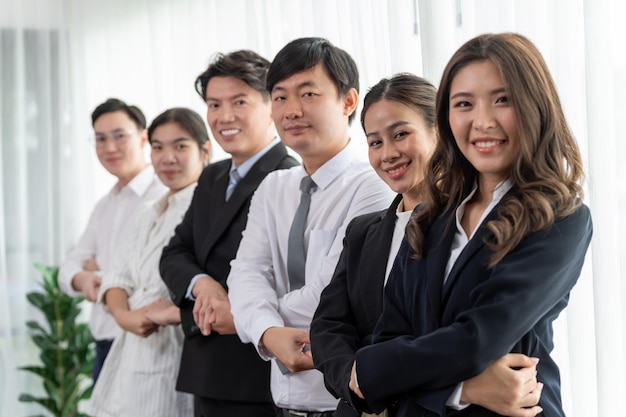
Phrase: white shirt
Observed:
(258, 281)
(402, 219)
(139, 375)
(105, 231)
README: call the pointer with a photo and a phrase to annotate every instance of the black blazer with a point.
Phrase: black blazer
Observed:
(432, 335)
(352, 303)
(217, 366)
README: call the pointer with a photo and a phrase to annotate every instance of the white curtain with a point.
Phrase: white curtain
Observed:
(60, 58)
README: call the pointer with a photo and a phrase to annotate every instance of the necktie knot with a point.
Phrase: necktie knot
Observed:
(234, 176)
(233, 179)
(307, 184)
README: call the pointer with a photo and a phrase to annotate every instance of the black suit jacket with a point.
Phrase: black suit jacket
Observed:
(432, 335)
(217, 366)
(351, 304)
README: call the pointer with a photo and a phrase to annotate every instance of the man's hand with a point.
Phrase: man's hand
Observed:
(222, 321)
(136, 321)
(208, 293)
(288, 346)
(91, 265)
(88, 283)
(163, 312)
(505, 390)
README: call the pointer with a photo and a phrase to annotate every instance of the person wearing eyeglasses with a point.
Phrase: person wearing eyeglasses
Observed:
(119, 136)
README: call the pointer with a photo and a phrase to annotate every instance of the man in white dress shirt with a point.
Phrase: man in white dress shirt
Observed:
(314, 91)
(120, 137)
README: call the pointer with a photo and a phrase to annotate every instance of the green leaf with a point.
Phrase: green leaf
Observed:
(86, 394)
(69, 322)
(45, 373)
(50, 274)
(38, 300)
(43, 341)
(33, 325)
(47, 403)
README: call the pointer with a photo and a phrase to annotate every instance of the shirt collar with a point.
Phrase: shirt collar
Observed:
(334, 167)
(182, 197)
(501, 189)
(498, 192)
(140, 182)
(245, 167)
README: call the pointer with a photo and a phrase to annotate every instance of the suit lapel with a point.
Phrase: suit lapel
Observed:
(440, 239)
(225, 211)
(474, 245)
(373, 268)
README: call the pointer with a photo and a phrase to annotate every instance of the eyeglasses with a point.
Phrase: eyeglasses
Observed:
(118, 136)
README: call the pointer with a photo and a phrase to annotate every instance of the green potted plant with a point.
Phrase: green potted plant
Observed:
(66, 350)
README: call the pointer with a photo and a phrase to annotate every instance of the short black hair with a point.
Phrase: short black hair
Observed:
(115, 104)
(305, 53)
(246, 65)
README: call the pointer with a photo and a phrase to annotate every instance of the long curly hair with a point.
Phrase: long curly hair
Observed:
(547, 172)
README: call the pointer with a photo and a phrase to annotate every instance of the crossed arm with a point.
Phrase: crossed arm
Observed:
(142, 321)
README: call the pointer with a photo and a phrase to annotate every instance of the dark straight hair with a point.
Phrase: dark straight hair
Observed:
(115, 104)
(187, 119)
(305, 53)
(414, 92)
(245, 65)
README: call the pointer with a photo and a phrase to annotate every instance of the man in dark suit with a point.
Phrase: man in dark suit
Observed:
(226, 376)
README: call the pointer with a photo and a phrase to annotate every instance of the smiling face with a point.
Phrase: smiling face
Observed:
(123, 157)
(311, 117)
(178, 160)
(399, 145)
(239, 118)
(483, 122)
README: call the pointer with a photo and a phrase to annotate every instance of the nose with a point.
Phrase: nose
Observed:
(484, 118)
(169, 156)
(390, 151)
(293, 110)
(227, 115)
(110, 144)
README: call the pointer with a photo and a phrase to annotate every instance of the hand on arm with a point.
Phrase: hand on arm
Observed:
(134, 321)
(163, 312)
(208, 294)
(88, 283)
(91, 265)
(222, 321)
(508, 386)
(288, 346)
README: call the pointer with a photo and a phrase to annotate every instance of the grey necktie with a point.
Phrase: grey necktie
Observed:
(295, 250)
(232, 183)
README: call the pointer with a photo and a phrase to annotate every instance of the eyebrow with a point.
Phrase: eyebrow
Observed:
(303, 84)
(119, 129)
(388, 128)
(181, 139)
(462, 94)
(236, 96)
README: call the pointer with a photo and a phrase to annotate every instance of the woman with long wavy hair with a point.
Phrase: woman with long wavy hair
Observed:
(489, 262)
